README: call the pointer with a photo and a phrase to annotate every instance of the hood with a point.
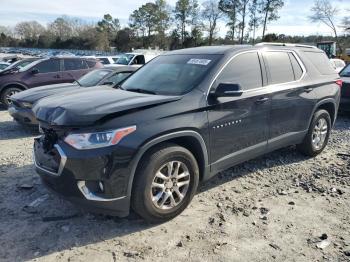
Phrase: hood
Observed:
(34, 94)
(85, 107)
(8, 71)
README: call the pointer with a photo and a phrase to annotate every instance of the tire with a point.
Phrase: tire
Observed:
(308, 146)
(8, 92)
(146, 198)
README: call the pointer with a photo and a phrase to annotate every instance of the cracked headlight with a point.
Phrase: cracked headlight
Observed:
(98, 139)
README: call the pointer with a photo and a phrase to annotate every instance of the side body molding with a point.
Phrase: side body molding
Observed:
(163, 138)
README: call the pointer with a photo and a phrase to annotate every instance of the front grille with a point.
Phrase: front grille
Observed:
(47, 159)
(49, 139)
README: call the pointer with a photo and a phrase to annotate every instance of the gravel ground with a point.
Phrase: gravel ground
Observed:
(280, 207)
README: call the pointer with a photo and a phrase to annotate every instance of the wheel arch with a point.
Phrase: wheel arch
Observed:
(190, 140)
(13, 84)
(329, 105)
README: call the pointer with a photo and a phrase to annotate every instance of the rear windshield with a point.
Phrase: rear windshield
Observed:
(93, 78)
(321, 62)
(171, 74)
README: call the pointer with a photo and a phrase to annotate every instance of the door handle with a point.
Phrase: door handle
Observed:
(308, 89)
(57, 76)
(262, 100)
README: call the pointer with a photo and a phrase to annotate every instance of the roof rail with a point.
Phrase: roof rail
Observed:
(285, 44)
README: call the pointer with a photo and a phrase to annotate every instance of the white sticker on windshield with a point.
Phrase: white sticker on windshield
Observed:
(194, 61)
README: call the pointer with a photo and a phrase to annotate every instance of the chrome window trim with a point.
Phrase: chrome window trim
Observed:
(61, 166)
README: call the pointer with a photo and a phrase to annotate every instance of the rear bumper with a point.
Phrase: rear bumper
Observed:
(63, 174)
(23, 115)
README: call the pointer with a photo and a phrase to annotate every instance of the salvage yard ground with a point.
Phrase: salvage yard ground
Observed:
(281, 207)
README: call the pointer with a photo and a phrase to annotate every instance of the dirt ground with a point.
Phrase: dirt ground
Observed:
(281, 207)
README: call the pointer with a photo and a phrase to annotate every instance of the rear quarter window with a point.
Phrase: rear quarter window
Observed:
(280, 67)
(320, 62)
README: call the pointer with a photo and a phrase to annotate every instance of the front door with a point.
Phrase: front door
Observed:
(47, 73)
(239, 125)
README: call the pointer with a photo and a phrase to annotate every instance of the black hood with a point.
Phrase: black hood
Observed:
(34, 94)
(85, 107)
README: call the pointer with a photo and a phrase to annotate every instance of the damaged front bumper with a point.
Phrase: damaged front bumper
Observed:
(94, 180)
(23, 115)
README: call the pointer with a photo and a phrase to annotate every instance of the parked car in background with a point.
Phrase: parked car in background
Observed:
(45, 71)
(134, 59)
(345, 90)
(180, 119)
(21, 104)
(338, 64)
(107, 60)
(3, 65)
(19, 64)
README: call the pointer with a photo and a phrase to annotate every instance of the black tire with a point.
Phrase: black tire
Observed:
(141, 198)
(306, 147)
(6, 92)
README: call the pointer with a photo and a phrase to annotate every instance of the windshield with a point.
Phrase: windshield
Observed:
(21, 63)
(345, 71)
(3, 66)
(93, 78)
(124, 59)
(28, 66)
(171, 74)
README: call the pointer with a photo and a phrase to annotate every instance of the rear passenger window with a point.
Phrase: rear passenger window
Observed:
(298, 71)
(243, 70)
(74, 64)
(321, 62)
(280, 67)
(48, 66)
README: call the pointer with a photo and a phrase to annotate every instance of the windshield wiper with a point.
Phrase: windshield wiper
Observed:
(140, 90)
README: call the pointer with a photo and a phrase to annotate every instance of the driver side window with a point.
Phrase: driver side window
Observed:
(244, 70)
(48, 66)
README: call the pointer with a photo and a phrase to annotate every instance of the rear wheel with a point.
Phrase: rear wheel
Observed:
(7, 93)
(165, 183)
(317, 137)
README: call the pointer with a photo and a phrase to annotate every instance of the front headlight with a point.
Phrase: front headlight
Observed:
(98, 139)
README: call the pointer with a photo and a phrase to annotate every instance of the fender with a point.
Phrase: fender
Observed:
(13, 84)
(163, 138)
(322, 102)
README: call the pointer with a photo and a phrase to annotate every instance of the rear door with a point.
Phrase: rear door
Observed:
(238, 126)
(48, 73)
(292, 102)
(74, 68)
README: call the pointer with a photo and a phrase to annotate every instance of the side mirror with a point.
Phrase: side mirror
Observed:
(35, 71)
(227, 90)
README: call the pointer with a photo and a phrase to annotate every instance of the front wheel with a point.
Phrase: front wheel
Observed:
(6, 95)
(318, 134)
(165, 183)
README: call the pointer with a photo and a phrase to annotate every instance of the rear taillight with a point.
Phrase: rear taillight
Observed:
(339, 82)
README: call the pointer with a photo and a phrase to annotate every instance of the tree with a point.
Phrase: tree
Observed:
(162, 18)
(269, 10)
(29, 30)
(230, 8)
(211, 14)
(109, 26)
(243, 11)
(324, 12)
(186, 13)
(61, 28)
(255, 18)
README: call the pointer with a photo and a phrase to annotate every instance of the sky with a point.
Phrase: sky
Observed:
(293, 16)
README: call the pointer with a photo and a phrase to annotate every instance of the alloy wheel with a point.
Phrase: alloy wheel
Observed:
(8, 96)
(319, 133)
(170, 185)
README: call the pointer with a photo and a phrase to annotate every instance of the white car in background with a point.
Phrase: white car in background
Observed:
(136, 58)
(338, 64)
(108, 60)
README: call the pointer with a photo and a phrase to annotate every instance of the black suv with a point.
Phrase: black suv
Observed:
(180, 119)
